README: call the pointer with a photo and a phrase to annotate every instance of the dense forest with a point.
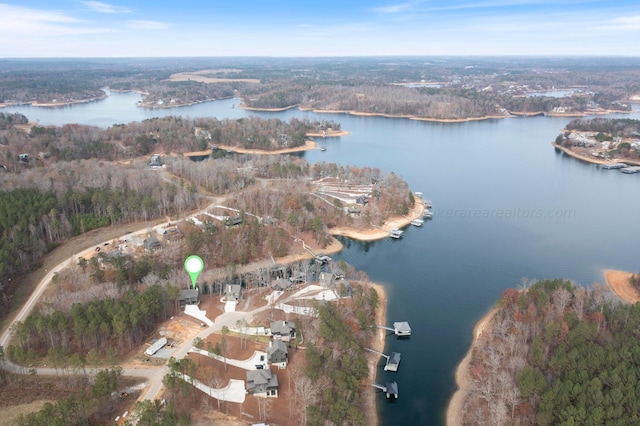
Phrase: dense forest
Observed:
(614, 127)
(155, 135)
(335, 361)
(557, 354)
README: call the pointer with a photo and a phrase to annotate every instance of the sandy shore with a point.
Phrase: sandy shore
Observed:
(579, 156)
(248, 108)
(593, 160)
(54, 104)
(618, 281)
(308, 145)
(380, 232)
(330, 134)
(410, 117)
(371, 397)
(463, 380)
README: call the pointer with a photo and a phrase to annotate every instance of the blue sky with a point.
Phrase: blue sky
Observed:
(83, 28)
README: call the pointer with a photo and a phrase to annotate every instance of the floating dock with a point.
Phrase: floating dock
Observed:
(393, 360)
(400, 329)
(391, 389)
(396, 233)
(614, 166)
(631, 170)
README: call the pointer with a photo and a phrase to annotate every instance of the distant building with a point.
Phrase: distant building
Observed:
(262, 383)
(156, 346)
(326, 279)
(281, 284)
(152, 243)
(283, 330)
(155, 161)
(233, 221)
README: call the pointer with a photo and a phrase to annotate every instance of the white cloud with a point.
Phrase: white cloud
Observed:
(22, 21)
(147, 25)
(394, 8)
(626, 23)
(100, 7)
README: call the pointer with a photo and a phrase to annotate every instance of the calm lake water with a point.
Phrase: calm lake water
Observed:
(506, 205)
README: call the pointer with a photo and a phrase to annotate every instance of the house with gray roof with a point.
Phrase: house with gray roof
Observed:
(283, 330)
(278, 353)
(232, 292)
(189, 296)
(152, 243)
(262, 383)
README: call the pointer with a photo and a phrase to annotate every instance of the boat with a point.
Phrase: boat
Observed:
(417, 222)
(427, 203)
(396, 233)
(322, 148)
(427, 214)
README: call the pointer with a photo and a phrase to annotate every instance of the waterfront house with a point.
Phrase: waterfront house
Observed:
(281, 284)
(189, 296)
(232, 292)
(277, 353)
(326, 279)
(283, 330)
(262, 383)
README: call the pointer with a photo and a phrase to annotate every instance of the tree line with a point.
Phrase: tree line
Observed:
(70, 199)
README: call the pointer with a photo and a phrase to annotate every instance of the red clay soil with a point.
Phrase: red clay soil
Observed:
(280, 411)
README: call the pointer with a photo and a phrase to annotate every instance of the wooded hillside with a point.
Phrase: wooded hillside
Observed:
(557, 354)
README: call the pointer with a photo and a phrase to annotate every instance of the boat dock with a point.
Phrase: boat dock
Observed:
(391, 389)
(614, 166)
(396, 233)
(401, 329)
(417, 222)
(393, 360)
(631, 170)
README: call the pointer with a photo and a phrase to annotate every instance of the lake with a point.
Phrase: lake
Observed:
(506, 206)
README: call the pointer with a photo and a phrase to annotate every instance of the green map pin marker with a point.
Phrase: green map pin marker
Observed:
(193, 265)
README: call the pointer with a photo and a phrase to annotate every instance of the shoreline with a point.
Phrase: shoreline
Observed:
(333, 134)
(593, 160)
(455, 408)
(53, 104)
(308, 145)
(618, 282)
(377, 344)
(142, 104)
(379, 232)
